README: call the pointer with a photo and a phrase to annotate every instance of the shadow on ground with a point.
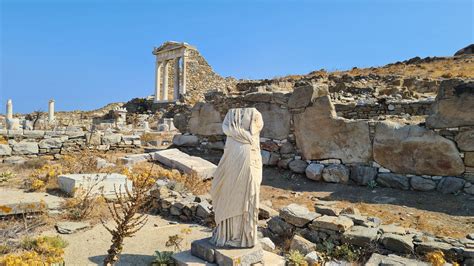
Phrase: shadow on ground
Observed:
(458, 205)
(125, 259)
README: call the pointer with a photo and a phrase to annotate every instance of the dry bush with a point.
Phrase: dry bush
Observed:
(3, 140)
(147, 137)
(80, 163)
(87, 203)
(126, 213)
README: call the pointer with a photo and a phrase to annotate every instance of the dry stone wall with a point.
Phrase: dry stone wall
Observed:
(304, 133)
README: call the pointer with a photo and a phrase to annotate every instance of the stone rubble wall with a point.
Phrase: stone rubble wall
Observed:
(32, 143)
(305, 229)
(304, 133)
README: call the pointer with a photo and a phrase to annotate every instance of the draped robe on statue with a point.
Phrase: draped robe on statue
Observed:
(236, 184)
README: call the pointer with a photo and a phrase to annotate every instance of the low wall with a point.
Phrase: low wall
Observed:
(304, 133)
(31, 143)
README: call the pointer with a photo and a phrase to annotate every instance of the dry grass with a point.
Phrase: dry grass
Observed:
(446, 68)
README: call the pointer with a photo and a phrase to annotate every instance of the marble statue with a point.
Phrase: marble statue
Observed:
(236, 183)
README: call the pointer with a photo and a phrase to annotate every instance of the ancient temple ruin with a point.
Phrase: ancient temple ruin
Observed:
(182, 74)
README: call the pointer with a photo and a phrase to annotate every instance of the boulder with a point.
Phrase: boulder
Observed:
(298, 166)
(336, 173)
(5, 150)
(398, 243)
(185, 140)
(269, 158)
(453, 105)
(279, 227)
(360, 236)
(205, 120)
(287, 147)
(362, 175)
(327, 210)
(111, 139)
(469, 159)
(302, 96)
(313, 258)
(450, 185)
(333, 223)
(25, 148)
(393, 181)
(52, 143)
(265, 212)
(465, 140)
(258, 96)
(314, 171)
(320, 134)
(301, 244)
(276, 121)
(410, 149)
(297, 215)
(267, 244)
(422, 184)
(204, 210)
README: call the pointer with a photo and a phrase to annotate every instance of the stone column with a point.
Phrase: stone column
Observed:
(9, 109)
(165, 81)
(51, 111)
(183, 76)
(157, 81)
(176, 79)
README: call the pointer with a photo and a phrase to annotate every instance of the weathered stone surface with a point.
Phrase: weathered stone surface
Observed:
(392, 259)
(279, 227)
(203, 210)
(362, 175)
(287, 147)
(297, 215)
(327, 210)
(174, 158)
(185, 140)
(298, 166)
(429, 245)
(393, 181)
(313, 258)
(336, 173)
(265, 212)
(100, 183)
(321, 135)
(302, 245)
(205, 120)
(203, 249)
(422, 184)
(93, 138)
(70, 227)
(398, 243)
(451, 108)
(5, 150)
(276, 121)
(411, 149)
(267, 244)
(314, 171)
(392, 229)
(185, 258)
(360, 236)
(239, 256)
(302, 96)
(469, 159)
(269, 158)
(110, 139)
(465, 140)
(52, 143)
(16, 160)
(25, 148)
(258, 96)
(334, 223)
(450, 185)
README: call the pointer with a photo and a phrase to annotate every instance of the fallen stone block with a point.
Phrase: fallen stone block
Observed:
(398, 243)
(339, 224)
(302, 245)
(104, 184)
(70, 227)
(174, 158)
(360, 236)
(297, 215)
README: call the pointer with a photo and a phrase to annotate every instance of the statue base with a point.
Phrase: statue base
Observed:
(203, 253)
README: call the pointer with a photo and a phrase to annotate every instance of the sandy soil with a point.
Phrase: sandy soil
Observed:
(90, 246)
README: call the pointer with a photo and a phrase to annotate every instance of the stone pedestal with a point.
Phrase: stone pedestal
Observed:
(204, 253)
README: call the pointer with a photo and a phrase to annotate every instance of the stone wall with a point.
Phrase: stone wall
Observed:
(304, 133)
(303, 228)
(32, 143)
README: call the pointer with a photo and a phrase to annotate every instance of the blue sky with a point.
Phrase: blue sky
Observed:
(87, 53)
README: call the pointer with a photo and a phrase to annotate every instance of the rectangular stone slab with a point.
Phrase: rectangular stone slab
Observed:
(186, 259)
(70, 183)
(174, 158)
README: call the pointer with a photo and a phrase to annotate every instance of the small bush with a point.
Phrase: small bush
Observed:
(40, 251)
(5, 176)
(295, 258)
(163, 258)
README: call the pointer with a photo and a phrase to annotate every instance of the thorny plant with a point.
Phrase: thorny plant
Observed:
(125, 213)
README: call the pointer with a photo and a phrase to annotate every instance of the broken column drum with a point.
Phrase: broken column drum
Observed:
(236, 184)
(170, 54)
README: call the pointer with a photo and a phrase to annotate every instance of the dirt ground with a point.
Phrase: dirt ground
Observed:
(444, 215)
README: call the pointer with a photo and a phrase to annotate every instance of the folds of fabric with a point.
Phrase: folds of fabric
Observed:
(236, 183)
